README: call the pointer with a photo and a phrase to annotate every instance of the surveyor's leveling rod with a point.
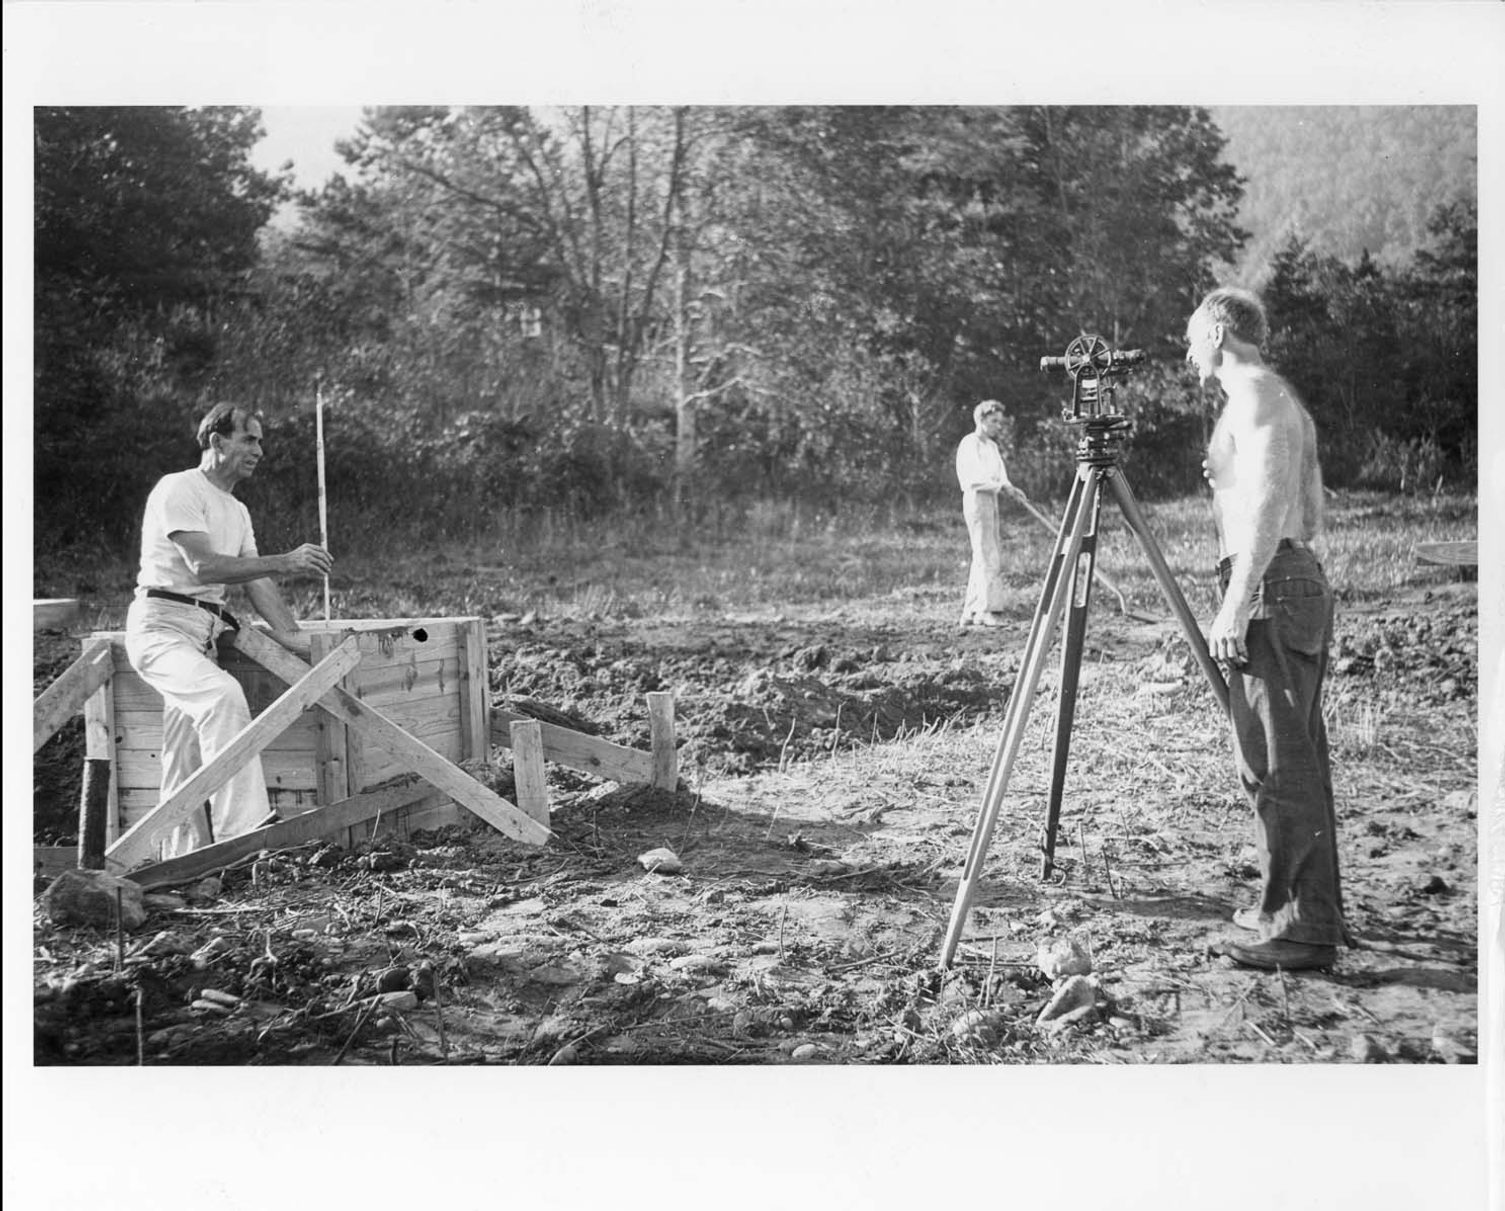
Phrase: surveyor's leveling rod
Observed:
(1123, 602)
(323, 496)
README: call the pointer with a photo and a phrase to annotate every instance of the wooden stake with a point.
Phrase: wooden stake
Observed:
(528, 775)
(323, 495)
(661, 729)
(93, 802)
(439, 1009)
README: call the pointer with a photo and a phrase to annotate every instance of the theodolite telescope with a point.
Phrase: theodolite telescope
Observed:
(1093, 365)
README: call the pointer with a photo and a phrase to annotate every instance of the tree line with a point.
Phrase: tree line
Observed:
(1347, 179)
(591, 309)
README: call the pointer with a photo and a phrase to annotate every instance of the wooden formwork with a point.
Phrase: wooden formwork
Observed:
(344, 742)
(428, 676)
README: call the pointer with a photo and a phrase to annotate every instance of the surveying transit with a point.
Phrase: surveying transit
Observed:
(1094, 367)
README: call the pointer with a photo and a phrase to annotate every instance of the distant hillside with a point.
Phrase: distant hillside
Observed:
(1347, 178)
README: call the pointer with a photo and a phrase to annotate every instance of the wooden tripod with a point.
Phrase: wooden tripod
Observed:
(1070, 576)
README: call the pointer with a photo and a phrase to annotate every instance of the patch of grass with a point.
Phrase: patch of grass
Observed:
(774, 557)
(1355, 726)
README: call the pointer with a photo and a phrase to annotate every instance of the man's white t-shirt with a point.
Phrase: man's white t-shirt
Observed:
(979, 464)
(186, 500)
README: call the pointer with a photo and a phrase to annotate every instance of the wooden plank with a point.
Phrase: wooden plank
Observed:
(421, 759)
(577, 751)
(99, 744)
(134, 845)
(135, 802)
(379, 762)
(289, 770)
(424, 712)
(290, 803)
(433, 714)
(391, 679)
(65, 697)
(285, 833)
(330, 767)
(53, 613)
(360, 626)
(1455, 554)
(293, 772)
(132, 693)
(401, 642)
(141, 732)
(302, 738)
(135, 728)
(527, 769)
(116, 640)
(416, 678)
(475, 691)
(436, 810)
(49, 861)
(661, 727)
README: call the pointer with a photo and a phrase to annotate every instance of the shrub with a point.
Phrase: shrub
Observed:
(1395, 464)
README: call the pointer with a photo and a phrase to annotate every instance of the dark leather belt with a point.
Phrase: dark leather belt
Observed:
(1225, 564)
(219, 612)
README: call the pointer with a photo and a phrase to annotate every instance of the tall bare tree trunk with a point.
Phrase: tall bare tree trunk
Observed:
(684, 411)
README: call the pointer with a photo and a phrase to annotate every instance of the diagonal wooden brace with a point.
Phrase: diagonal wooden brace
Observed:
(65, 697)
(321, 822)
(135, 845)
(421, 759)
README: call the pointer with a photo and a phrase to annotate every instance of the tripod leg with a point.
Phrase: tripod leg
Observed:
(1168, 586)
(1071, 665)
(1038, 637)
(1047, 617)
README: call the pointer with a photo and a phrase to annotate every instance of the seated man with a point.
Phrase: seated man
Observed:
(196, 539)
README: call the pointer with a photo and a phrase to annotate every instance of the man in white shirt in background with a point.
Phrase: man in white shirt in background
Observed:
(982, 475)
(196, 539)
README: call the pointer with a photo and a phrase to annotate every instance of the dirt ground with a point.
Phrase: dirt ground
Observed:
(832, 766)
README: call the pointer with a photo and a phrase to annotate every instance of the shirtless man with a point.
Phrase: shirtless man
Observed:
(1272, 634)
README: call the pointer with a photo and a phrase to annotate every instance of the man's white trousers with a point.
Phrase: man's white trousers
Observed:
(170, 644)
(985, 590)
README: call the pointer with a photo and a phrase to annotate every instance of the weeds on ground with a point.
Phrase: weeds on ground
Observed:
(775, 558)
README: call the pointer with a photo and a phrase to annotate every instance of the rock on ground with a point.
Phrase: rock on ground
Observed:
(90, 897)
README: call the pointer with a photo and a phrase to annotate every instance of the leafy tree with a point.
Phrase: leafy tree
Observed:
(1440, 325)
(1385, 359)
(146, 224)
(1346, 179)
